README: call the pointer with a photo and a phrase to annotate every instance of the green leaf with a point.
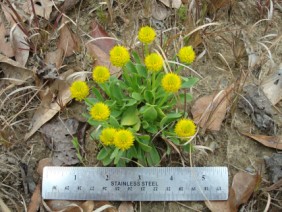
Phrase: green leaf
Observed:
(141, 157)
(130, 116)
(131, 153)
(131, 67)
(130, 102)
(136, 96)
(91, 101)
(137, 126)
(114, 153)
(188, 148)
(175, 140)
(150, 114)
(93, 122)
(136, 57)
(116, 113)
(121, 163)
(115, 92)
(189, 82)
(113, 122)
(169, 118)
(160, 112)
(144, 146)
(144, 138)
(152, 129)
(118, 156)
(103, 154)
(142, 71)
(145, 124)
(189, 97)
(107, 160)
(153, 157)
(148, 96)
(75, 143)
(97, 94)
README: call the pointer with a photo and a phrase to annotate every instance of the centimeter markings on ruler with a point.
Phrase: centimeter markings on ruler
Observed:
(135, 183)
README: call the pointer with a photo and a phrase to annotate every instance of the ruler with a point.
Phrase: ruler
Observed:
(135, 183)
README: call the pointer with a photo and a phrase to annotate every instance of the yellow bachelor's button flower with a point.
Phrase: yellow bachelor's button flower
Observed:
(171, 82)
(185, 128)
(101, 74)
(186, 54)
(100, 111)
(119, 56)
(79, 90)
(123, 139)
(154, 62)
(146, 35)
(107, 136)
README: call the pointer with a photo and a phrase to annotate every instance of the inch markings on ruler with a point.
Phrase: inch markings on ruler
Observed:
(135, 183)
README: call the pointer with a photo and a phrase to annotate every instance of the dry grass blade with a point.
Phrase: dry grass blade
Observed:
(274, 186)
(3, 206)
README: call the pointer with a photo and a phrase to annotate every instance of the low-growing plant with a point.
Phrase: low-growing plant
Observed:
(132, 114)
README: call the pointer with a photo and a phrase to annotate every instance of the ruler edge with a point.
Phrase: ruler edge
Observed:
(224, 169)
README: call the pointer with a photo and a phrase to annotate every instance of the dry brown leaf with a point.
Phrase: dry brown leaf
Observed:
(86, 206)
(19, 44)
(56, 97)
(68, 41)
(105, 205)
(14, 72)
(5, 43)
(160, 12)
(99, 49)
(209, 111)
(126, 207)
(42, 8)
(244, 185)
(42, 163)
(99, 32)
(57, 135)
(172, 3)
(35, 201)
(274, 142)
(8, 13)
(68, 206)
(272, 87)
(102, 58)
(214, 5)
(55, 57)
(226, 206)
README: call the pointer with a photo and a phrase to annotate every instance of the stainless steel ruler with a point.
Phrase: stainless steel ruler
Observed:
(135, 183)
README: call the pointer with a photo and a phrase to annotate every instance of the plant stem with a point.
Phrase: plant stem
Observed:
(146, 49)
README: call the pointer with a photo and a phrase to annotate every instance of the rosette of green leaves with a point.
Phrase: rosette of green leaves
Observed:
(138, 103)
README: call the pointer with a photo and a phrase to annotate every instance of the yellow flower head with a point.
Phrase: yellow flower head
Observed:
(100, 112)
(123, 139)
(185, 128)
(79, 90)
(107, 136)
(186, 54)
(154, 62)
(119, 56)
(146, 35)
(171, 82)
(100, 74)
